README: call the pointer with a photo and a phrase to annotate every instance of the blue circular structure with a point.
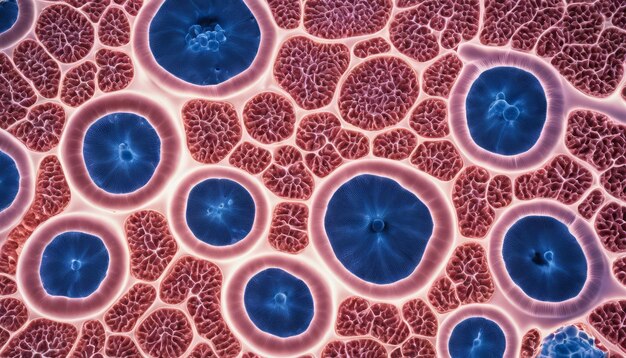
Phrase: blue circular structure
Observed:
(544, 259)
(477, 337)
(9, 11)
(9, 181)
(506, 110)
(220, 212)
(204, 42)
(278, 303)
(570, 342)
(121, 152)
(73, 265)
(377, 229)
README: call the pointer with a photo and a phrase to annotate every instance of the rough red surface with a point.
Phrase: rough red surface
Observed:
(469, 196)
(588, 207)
(366, 348)
(115, 70)
(41, 130)
(608, 319)
(378, 93)
(65, 33)
(415, 347)
(125, 313)
(309, 71)
(286, 13)
(439, 77)
(324, 161)
(13, 314)
(132, 7)
(79, 84)
(42, 338)
(269, 117)
(387, 325)
(202, 350)
(336, 19)
(287, 176)
(95, 8)
(316, 130)
(91, 340)
(614, 182)
(212, 129)
(420, 318)
(165, 333)
(351, 144)
(121, 346)
(354, 317)
(288, 231)
(610, 225)
(396, 144)
(443, 296)
(371, 47)
(531, 343)
(250, 158)
(619, 270)
(114, 28)
(469, 270)
(37, 66)
(7, 286)
(440, 159)
(16, 95)
(151, 244)
(500, 191)
(430, 118)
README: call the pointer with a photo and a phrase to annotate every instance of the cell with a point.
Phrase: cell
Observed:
(440, 159)
(125, 313)
(315, 130)
(618, 269)
(16, 95)
(202, 350)
(354, 348)
(132, 7)
(58, 337)
(442, 295)
(500, 191)
(10, 179)
(607, 318)
(371, 47)
(286, 13)
(469, 197)
(411, 35)
(269, 117)
(477, 337)
(591, 204)
(287, 177)
(250, 157)
(9, 12)
(41, 130)
(531, 344)
(469, 270)
(387, 324)
(338, 19)
(91, 340)
(114, 28)
(166, 333)
(79, 84)
(13, 314)
(415, 347)
(440, 76)
(95, 8)
(38, 66)
(429, 119)
(351, 144)
(569, 341)
(289, 227)
(609, 225)
(378, 93)
(65, 32)
(7, 286)
(121, 346)
(121, 151)
(614, 182)
(326, 160)
(420, 317)
(115, 70)
(354, 317)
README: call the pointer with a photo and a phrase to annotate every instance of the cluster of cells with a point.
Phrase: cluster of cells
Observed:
(313, 178)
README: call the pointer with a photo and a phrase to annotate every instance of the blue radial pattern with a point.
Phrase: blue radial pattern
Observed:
(378, 230)
(9, 12)
(9, 181)
(477, 337)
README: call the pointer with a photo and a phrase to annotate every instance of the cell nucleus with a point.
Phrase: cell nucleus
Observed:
(9, 11)
(9, 180)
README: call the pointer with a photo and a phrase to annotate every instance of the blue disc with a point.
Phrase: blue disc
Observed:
(278, 303)
(544, 259)
(73, 265)
(477, 337)
(220, 212)
(9, 180)
(506, 110)
(377, 229)
(121, 152)
(570, 342)
(9, 12)
(204, 42)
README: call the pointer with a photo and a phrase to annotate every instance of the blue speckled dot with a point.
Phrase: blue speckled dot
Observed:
(506, 110)
(220, 212)
(378, 230)
(477, 337)
(9, 12)
(570, 342)
(278, 303)
(9, 181)
(73, 265)
(121, 152)
(204, 42)
(544, 259)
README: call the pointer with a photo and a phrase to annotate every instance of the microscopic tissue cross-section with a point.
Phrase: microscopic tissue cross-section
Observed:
(313, 178)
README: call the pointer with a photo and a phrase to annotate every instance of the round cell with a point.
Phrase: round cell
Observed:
(477, 337)
(569, 341)
(204, 42)
(378, 229)
(9, 181)
(278, 303)
(220, 212)
(544, 259)
(121, 152)
(9, 11)
(73, 264)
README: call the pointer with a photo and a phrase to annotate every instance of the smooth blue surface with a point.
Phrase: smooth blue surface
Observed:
(73, 264)
(204, 42)
(278, 303)
(506, 110)
(377, 229)
(570, 342)
(9, 180)
(9, 12)
(220, 212)
(477, 337)
(121, 152)
(544, 259)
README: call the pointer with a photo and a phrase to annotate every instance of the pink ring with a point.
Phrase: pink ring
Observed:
(270, 344)
(23, 24)
(72, 149)
(29, 280)
(141, 47)
(438, 246)
(588, 242)
(178, 209)
(13, 148)
(553, 127)
(478, 310)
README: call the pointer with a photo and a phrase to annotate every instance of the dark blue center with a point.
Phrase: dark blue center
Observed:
(121, 152)
(220, 212)
(570, 342)
(506, 110)
(544, 259)
(477, 337)
(9, 180)
(204, 42)
(378, 230)
(73, 265)
(8, 14)
(278, 303)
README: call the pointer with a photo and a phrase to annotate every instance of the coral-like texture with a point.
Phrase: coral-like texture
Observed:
(588, 207)
(351, 144)
(287, 176)
(121, 346)
(371, 47)
(420, 317)
(469, 196)
(619, 270)
(354, 348)
(439, 77)
(440, 159)
(415, 347)
(7, 286)
(250, 157)
(336, 19)
(316, 130)
(79, 84)
(165, 333)
(531, 343)
(42, 337)
(500, 191)
(16, 95)
(115, 70)
(13, 314)
(610, 225)
(38, 67)
(430, 118)
(91, 340)
(286, 13)
(124, 314)
(269, 117)
(41, 130)
(65, 33)
(289, 227)
(395, 144)
(608, 319)
(114, 28)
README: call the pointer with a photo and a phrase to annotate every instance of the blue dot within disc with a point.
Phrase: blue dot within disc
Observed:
(9, 12)
(477, 337)
(121, 152)
(220, 212)
(278, 303)
(378, 230)
(506, 110)
(9, 181)
(73, 265)
(544, 259)
(204, 42)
